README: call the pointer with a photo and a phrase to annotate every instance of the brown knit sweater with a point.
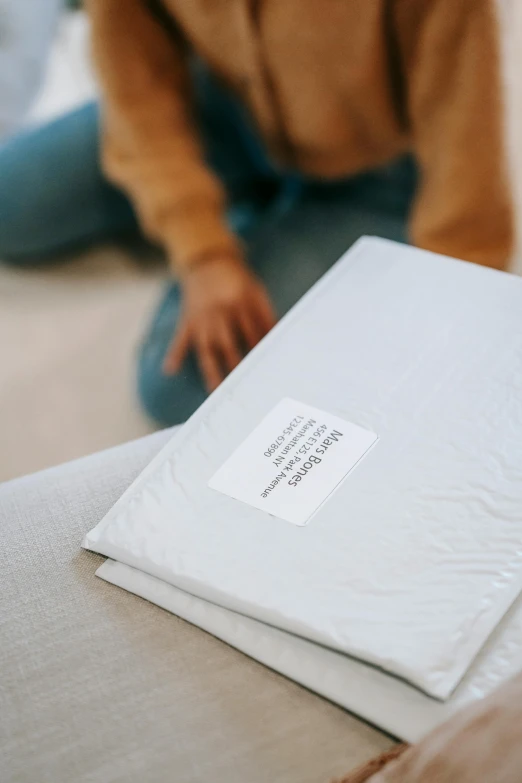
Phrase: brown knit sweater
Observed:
(335, 86)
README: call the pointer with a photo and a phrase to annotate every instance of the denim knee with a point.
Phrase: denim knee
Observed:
(54, 197)
(13, 236)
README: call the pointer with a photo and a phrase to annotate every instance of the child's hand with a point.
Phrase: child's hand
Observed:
(226, 311)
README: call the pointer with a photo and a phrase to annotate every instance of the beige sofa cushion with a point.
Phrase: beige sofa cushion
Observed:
(98, 686)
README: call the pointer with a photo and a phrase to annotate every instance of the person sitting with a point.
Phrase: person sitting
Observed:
(219, 120)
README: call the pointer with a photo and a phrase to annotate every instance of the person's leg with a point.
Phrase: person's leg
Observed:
(256, 193)
(54, 197)
(296, 252)
(290, 255)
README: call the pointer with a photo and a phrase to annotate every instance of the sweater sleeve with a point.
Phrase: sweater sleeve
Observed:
(150, 144)
(455, 110)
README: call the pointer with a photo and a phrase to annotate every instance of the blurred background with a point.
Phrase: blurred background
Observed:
(69, 333)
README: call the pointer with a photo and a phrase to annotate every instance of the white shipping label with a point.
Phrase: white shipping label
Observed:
(292, 461)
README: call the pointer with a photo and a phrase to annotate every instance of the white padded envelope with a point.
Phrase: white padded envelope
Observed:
(412, 558)
(378, 697)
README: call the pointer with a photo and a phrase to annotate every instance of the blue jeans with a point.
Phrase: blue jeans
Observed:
(54, 199)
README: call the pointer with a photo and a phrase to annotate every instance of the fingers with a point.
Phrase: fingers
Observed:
(249, 329)
(227, 339)
(178, 349)
(266, 313)
(218, 350)
(219, 339)
(216, 345)
(209, 361)
(256, 321)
